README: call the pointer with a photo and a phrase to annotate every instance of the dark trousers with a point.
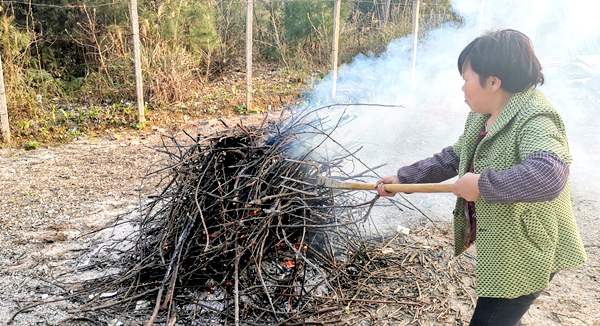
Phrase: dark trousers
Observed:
(502, 312)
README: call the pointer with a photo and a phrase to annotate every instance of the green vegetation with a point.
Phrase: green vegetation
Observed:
(31, 145)
(69, 69)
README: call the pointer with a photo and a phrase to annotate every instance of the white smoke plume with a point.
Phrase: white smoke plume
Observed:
(566, 37)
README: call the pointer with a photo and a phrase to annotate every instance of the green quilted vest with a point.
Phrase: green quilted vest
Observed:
(518, 244)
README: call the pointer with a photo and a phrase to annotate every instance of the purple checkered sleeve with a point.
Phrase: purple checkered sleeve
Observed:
(540, 177)
(441, 166)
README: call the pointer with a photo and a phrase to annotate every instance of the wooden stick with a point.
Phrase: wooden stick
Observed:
(139, 84)
(3, 110)
(334, 50)
(398, 187)
(386, 12)
(249, 16)
(236, 275)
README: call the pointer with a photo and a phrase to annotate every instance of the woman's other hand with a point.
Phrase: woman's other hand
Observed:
(467, 187)
(387, 179)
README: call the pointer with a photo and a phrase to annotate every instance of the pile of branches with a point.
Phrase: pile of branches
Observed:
(239, 217)
(239, 232)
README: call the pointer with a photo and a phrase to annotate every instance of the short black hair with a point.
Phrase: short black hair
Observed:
(507, 54)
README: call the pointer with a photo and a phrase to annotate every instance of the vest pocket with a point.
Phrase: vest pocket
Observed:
(534, 230)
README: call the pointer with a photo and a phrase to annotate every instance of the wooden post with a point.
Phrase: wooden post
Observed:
(139, 83)
(416, 4)
(386, 12)
(249, 16)
(4, 126)
(334, 50)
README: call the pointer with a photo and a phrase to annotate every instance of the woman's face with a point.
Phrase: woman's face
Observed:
(477, 97)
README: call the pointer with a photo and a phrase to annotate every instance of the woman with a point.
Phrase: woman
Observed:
(513, 192)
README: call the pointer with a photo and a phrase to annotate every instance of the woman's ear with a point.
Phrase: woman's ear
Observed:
(494, 82)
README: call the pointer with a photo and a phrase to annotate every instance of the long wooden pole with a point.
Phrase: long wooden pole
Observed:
(3, 110)
(334, 50)
(139, 83)
(249, 16)
(416, 4)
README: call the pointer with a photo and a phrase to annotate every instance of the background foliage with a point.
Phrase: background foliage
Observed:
(68, 64)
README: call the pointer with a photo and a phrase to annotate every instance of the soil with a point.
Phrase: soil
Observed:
(50, 197)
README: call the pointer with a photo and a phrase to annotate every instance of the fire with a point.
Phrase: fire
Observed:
(288, 263)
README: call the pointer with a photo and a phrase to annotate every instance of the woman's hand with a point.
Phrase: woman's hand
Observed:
(387, 179)
(467, 187)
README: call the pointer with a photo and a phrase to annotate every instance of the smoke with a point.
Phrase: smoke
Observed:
(566, 37)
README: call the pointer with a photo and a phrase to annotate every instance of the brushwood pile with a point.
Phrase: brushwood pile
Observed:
(239, 232)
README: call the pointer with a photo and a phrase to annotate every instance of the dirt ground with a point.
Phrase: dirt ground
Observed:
(51, 196)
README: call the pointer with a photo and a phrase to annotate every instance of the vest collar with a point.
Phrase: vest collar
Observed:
(511, 108)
